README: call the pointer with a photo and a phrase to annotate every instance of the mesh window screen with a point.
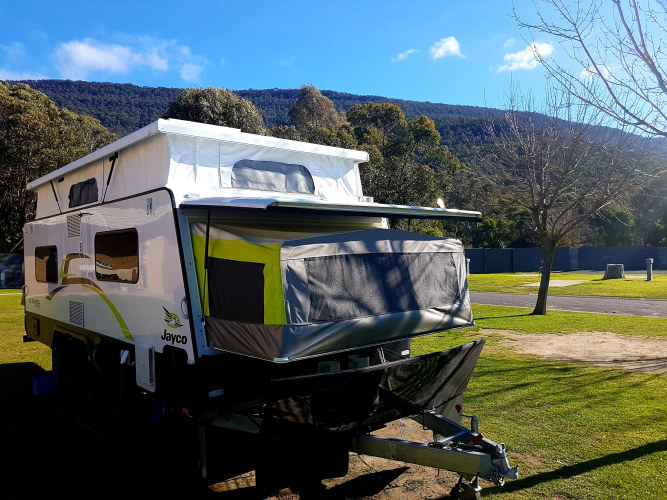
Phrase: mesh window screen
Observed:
(351, 286)
(237, 290)
(369, 397)
(272, 176)
(83, 193)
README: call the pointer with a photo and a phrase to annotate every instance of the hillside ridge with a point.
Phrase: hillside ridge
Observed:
(125, 107)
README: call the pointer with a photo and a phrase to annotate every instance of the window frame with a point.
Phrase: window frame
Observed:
(102, 277)
(46, 274)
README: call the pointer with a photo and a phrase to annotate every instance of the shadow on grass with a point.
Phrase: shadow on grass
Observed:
(580, 468)
(482, 318)
(359, 487)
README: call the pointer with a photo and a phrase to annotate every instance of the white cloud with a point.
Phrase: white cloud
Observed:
(288, 61)
(77, 59)
(155, 61)
(191, 72)
(8, 74)
(509, 43)
(448, 46)
(404, 55)
(526, 59)
(607, 73)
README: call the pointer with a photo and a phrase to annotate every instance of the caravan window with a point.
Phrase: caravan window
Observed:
(117, 256)
(272, 176)
(46, 264)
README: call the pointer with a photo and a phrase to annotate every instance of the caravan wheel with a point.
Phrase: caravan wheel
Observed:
(89, 395)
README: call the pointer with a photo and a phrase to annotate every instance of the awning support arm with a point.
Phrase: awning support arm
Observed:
(112, 159)
(208, 230)
(55, 196)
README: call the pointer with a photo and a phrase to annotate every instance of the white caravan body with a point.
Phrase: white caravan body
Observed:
(151, 193)
(244, 282)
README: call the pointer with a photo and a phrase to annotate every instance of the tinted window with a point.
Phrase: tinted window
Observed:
(46, 264)
(117, 256)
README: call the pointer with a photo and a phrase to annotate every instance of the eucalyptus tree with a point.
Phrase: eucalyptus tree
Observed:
(312, 109)
(407, 160)
(217, 106)
(35, 138)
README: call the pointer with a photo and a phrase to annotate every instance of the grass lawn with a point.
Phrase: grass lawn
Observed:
(576, 431)
(12, 348)
(593, 285)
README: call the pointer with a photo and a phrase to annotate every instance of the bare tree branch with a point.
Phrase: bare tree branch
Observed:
(623, 62)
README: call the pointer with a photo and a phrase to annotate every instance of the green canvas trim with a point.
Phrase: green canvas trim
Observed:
(244, 251)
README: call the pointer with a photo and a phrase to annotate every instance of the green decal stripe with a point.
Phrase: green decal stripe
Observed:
(121, 322)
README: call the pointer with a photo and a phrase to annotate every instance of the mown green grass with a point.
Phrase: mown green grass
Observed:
(12, 347)
(521, 320)
(576, 431)
(594, 285)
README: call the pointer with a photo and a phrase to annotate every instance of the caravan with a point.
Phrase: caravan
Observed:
(247, 281)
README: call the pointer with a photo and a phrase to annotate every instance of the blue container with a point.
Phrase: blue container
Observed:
(44, 384)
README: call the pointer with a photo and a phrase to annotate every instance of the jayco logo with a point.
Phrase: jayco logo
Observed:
(172, 320)
(173, 338)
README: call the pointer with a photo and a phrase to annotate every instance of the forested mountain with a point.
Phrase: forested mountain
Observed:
(123, 108)
(463, 130)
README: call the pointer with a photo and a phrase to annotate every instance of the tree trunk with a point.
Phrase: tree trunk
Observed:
(541, 304)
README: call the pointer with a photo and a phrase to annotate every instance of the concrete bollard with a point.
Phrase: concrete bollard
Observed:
(649, 269)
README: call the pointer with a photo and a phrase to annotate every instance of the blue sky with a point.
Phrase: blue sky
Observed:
(440, 51)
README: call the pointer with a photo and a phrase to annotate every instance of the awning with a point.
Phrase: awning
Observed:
(287, 204)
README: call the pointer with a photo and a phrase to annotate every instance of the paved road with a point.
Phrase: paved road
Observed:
(607, 305)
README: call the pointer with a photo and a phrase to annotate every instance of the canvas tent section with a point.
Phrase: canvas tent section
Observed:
(196, 160)
(300, 297)
(141, 166)
(245, 162)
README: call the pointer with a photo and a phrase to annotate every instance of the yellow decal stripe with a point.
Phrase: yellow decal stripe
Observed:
(121, 322)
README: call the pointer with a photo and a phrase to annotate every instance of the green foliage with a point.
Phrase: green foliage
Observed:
(312, 109)
(35, 138)
(456, 162)
(217, 106)
(405, 156)
(497, 233)
(124, 108)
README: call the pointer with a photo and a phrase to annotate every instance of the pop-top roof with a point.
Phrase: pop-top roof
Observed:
(208, 165)
(204, 131)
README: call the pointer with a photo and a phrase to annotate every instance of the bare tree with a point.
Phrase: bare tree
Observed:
(560, 167)
(620, 56)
